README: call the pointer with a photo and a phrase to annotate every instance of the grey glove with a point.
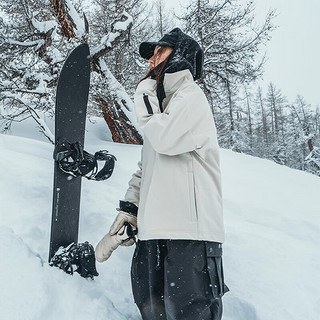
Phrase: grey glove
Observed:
(122, 232)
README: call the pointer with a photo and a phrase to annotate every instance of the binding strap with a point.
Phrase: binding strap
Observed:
(73, 160)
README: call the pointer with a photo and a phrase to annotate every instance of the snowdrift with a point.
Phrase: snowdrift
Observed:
(271, 255)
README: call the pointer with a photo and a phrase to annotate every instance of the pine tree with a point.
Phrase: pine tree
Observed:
(276, 102)
(262, 130)
(306, 123)
(231, 42)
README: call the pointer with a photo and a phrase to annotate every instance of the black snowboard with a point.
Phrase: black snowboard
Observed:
(70, 118)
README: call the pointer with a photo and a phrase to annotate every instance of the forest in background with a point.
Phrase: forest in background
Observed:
(36, 37)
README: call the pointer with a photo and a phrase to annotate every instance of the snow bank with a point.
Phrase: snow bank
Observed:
(30, 289)
(273, 238)
(271, 254)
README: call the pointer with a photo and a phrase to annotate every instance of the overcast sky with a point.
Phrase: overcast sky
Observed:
(294, 51)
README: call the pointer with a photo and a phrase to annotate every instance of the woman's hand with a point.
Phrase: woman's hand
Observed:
(122, 232)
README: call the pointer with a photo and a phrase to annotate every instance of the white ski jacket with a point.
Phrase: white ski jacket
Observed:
(177, 188)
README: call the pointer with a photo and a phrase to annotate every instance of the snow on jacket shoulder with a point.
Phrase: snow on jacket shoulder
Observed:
(178, 186)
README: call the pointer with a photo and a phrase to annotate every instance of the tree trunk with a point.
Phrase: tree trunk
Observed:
(122, 130)
(67, 25)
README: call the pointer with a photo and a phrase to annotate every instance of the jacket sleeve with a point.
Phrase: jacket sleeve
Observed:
(133, 192)
(178, 129)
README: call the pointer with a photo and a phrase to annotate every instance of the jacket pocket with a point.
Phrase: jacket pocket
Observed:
(192, 198)
(215, 269)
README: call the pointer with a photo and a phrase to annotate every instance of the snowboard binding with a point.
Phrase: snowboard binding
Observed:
(75, 161)
(76, 258)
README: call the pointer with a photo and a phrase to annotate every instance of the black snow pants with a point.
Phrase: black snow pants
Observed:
(178, 279)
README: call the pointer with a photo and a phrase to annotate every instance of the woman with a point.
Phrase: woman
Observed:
(174, 199)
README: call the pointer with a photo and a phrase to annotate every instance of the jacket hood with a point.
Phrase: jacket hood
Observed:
(187, 53)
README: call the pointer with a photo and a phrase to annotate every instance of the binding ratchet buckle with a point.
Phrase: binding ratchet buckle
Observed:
(75, 161)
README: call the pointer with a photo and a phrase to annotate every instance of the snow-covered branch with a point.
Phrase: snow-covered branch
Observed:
(123, 25)
(71, 24)
(79, 24)
(43, 26)
(120, 29)
(38, 43)
(29, 109)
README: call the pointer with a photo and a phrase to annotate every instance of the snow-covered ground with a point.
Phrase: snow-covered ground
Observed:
(271, 256)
